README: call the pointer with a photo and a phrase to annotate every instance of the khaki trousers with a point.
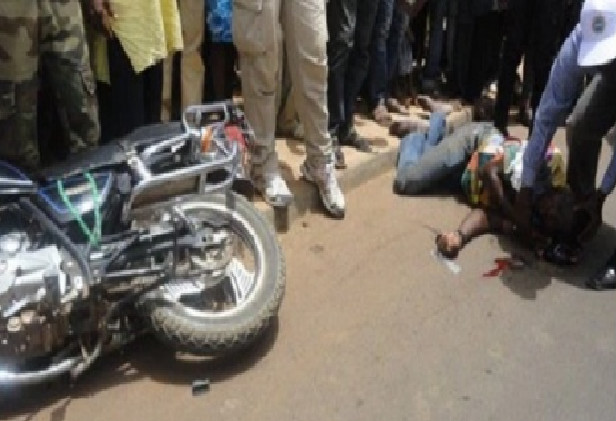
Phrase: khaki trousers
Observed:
(259, 27)
(192, 15)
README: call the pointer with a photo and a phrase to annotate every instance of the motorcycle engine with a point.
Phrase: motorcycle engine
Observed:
(38, 285)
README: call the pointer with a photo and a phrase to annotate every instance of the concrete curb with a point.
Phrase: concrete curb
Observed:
(361, 168)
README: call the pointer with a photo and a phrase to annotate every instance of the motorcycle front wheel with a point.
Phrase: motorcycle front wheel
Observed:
(200, 316)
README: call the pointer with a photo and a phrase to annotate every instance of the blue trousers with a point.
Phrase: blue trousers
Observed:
(427, 159)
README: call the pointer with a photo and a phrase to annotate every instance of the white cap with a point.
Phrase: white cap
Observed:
(598, 22)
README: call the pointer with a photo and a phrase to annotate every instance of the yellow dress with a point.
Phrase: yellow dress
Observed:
(148, 30)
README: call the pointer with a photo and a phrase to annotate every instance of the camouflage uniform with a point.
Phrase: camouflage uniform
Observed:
(45, 35)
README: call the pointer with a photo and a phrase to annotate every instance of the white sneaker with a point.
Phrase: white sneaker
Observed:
(274, 190)
(324, 177)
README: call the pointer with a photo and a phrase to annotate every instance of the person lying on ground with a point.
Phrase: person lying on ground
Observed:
(488, 168)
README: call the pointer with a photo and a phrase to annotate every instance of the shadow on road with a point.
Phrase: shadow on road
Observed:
(539, 274)
(146, 358)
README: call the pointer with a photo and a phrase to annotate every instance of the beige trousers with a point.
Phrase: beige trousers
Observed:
(192, 15)
(259, 27)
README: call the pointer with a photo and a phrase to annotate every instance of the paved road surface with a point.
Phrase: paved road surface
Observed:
(374, 328)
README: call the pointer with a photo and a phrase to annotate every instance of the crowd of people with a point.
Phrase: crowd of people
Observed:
(74, 73)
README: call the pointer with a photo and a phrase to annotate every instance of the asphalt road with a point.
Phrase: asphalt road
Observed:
(373, 327)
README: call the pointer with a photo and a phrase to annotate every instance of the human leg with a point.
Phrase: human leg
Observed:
(377, 76)
(515, 41)
(341, 24)
(357, 70)
(305, 30)
(438, 10)
(19, 85)
(257, 36)
(192, 16)
(450, 154)
(399, 25)
(591, 119)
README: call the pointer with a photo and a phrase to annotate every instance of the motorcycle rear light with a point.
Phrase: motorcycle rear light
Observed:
(207, 134)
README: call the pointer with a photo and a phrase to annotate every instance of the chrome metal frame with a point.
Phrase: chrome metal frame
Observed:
(227, 158)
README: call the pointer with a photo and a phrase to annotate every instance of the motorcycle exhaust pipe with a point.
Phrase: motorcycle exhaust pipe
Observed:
(9, 378)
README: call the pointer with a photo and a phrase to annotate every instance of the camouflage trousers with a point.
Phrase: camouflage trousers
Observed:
(44, 36)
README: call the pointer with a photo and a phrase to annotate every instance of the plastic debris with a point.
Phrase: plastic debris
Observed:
(200, 387)
(449, 264)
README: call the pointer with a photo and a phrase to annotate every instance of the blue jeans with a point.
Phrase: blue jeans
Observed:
(378, 76)
(423, 163)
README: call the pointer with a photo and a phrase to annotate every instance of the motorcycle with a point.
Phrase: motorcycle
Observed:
(143, 234)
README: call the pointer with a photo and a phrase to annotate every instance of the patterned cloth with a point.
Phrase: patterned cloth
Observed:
(219, 20)
(507, 154)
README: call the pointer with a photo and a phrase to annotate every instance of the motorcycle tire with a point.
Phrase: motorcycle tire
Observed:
(211, 333)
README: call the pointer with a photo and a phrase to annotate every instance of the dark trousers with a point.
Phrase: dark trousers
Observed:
(534, 29)
(378, 74)
(476, 49)
(485, 37)
(397, 31)
(350, 24)
(132, 100)
(592, 118)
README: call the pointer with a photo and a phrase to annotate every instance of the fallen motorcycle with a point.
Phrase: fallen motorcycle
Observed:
(144, 233)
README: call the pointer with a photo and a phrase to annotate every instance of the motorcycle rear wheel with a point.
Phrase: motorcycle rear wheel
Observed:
(207, 332)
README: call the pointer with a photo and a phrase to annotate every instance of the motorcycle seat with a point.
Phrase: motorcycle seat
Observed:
(111, 154)
(150, 134)
(89, 160)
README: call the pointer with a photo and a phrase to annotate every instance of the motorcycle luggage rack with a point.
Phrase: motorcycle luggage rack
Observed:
(187, 180)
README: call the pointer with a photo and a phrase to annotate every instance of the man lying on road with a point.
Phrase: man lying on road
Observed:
(489, 168)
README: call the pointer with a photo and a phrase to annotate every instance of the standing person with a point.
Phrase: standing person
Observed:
(534, 27)
(589, 50)
(258, 28)
(47, 35)
(350, 24)
(128, 58)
